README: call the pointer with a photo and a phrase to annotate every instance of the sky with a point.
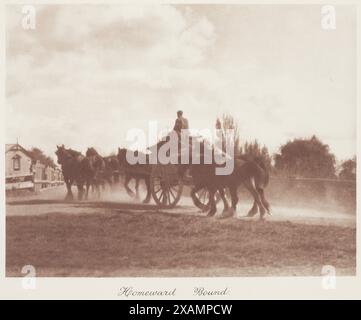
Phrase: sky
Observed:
(88, 74)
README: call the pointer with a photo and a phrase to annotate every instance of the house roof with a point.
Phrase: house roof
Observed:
(17, 147)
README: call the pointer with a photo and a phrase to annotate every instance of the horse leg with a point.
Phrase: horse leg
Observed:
(87, 189)
(80, 190)
(234, 197)
(110, 182)
(212, 202)
(137, 197)
(98, 188)
(265, 203)
(225, 202)
(147, 183)
(193, 195)
(126, 185)
(229, 212)
(260, 189)
(92, 187)
(99, 184)
(254, 210)
(104, 182)
(69, 194)
(248, 184)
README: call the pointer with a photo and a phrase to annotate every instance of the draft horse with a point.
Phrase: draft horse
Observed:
(135, 171)
(247, 172)
(73, 165)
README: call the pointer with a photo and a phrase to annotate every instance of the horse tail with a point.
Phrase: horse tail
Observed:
(262, 164)
(261, 180)
(263, 199)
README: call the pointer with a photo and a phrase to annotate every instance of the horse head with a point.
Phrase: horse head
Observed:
(122, 155)
(91, 152)
(65, 155)
(61, 154)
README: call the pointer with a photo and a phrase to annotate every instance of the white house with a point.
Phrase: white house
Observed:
(18, 161)
(22, 171)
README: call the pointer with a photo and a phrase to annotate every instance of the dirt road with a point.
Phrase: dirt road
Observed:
(115, 237)
(51, 201)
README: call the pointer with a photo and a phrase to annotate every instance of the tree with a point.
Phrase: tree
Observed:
(306, 158)
(228, 123)
(348, 169)
(253, 150)
(38, 155)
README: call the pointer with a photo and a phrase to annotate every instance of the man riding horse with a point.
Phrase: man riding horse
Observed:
(181, 123)
(251, 174)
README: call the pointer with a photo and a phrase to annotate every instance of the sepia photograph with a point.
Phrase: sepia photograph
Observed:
(180, 140)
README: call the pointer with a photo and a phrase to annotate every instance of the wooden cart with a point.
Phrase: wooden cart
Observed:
(167, 186)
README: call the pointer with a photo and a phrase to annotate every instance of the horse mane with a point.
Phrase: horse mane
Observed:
(74, 153)
(123, 153)
(91, 152)
(66, 158)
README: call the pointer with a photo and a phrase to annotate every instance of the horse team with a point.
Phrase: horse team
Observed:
(93, 171)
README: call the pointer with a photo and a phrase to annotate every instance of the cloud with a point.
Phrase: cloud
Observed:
(90, 63)
(135, 45)
(88, 73)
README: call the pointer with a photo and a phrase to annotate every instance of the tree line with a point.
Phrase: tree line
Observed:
(38, 155)
(301, 157)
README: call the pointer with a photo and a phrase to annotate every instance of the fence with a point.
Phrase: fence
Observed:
(28, 182)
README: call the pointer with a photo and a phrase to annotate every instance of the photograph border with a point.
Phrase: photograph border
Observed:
(272, 287)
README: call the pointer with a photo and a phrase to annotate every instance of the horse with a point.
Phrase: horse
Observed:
(96, 171)
(245, 172)
(73, 166)
(135, 171)
(112, 167)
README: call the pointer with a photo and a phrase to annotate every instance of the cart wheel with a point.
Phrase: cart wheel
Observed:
(166, 185)
(201, 199)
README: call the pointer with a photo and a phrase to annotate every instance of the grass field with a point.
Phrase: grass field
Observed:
(115, 243)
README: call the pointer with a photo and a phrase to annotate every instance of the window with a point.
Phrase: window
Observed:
(16, 163)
